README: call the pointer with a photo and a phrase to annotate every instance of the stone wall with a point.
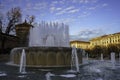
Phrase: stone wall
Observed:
(10, 42)
(45, 56)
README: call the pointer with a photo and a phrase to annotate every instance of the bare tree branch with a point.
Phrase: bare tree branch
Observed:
(1, 23)
(14, 17)
(30, 19)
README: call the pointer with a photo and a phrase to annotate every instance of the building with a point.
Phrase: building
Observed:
(80, 44)
(105, 40)
(22, 32)
(7, 42)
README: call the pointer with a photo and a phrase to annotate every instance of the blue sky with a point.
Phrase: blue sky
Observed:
(86, 18)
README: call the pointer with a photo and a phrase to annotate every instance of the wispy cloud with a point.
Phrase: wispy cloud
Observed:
(65, 20)
(84, 1)
(84, 14)
(41, 5)
(104, 5)
(92, 8)
(55, 9)
(54, 3)
(87, 34)
(52, 9)
(37, 6)
(70, 9)
(73, 11)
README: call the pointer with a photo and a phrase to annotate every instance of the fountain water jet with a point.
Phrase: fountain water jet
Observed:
(49, 34)
(87, 57)
(23, 62)
(113, 59)
(102, 57)
(48, 75)
(119, 56)
(74, 61)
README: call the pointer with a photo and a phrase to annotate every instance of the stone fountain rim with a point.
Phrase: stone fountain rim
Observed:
(40, 67)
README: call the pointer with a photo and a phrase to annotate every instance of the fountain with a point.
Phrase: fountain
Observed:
(113, 59)
(53, 53)
(87, 56)
(49, 34)
(94, 70)
(119, 56)
(74, 61)
(22, 62)
(48, 75)
(48, 47)
(102, 57)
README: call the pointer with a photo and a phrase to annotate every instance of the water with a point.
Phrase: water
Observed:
(87, 56)
(68, 75)
(49, 34)
(3, 74)
(102, 57)
(74, 60)
(95, 70)
(48, 75)
(113, 59)
(22, 62)
(119, 56)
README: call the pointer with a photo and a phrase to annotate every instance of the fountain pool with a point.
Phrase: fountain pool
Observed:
(93, 70)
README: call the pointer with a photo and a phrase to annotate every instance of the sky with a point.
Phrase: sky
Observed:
(86, 18)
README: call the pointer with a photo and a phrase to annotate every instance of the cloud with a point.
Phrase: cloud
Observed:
(60, 2)
(58, 8)
(54, 2)
(37, 6)
(54, 9)
(73, 11)
(70, 9)
(84, 1)
(84, 14)
(61, 12)
(1, 5)
(65, 20)
(87, 34)
(104, 5)
(41, 5)
(92, 8)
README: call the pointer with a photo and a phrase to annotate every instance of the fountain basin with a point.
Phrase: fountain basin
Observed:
(45, 56)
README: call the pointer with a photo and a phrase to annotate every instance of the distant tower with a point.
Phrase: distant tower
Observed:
(22, 31)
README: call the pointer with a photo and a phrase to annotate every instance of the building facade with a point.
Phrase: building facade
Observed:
(104, 40)
(22, 32)
(80, 44)
(7, 42)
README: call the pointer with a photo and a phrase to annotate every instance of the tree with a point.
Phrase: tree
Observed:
(1, 22)
(113, 48)
(30, 19)
(12, 18)
(97, 50)
(118, 48)
(0, 25)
